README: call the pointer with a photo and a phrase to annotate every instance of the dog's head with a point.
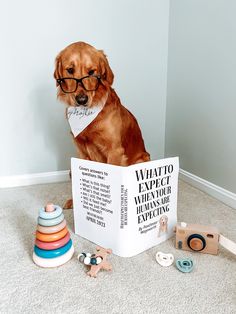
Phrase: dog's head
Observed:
(83, 75)
(103, 252)
(163, 220)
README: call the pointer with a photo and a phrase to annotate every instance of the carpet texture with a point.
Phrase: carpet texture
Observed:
(136, 285)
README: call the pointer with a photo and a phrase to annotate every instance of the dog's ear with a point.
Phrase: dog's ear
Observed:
(58, 68)
(106, 71)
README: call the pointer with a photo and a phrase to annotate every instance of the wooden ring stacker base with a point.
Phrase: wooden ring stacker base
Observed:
(52, 236)
(53, 245)
(52, 229)
(53, 262)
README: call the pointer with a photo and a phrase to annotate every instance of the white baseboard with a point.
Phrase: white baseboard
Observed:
(219, 193)
(34, 178)
(216, 191)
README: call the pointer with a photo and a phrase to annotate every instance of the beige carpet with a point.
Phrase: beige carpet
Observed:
(136, 285)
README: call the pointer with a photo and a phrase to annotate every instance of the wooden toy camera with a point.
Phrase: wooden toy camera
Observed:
(198, 238)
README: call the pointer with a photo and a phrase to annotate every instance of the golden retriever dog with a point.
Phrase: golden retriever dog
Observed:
(84, 78)
(163, 228)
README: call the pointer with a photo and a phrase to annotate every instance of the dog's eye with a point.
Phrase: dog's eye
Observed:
(91, 72)
(70, 70)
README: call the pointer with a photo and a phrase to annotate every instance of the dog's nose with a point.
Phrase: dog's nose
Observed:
(81, 99)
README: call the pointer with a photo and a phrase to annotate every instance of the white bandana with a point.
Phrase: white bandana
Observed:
(80, 117)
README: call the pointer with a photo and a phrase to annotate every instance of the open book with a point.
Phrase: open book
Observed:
(128, 209)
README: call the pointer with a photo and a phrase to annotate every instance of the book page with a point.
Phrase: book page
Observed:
(152, 204)
(96, 191)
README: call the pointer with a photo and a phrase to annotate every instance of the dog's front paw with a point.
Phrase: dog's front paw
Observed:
(68, 204)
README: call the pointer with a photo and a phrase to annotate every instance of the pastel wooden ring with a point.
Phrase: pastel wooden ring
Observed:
(50, 215)
(50, 237)
(53, 245)
(50, 222)
(53, 253)
(53, 262)
(52, 229)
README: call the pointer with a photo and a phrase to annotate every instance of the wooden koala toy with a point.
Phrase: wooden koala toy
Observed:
(96, 261)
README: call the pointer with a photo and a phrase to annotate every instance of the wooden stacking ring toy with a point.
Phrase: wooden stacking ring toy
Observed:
(53, 245)
(53, 253)
(50, 214)
(52, 229)
(53, 262)
(50, 237)
(50, 222)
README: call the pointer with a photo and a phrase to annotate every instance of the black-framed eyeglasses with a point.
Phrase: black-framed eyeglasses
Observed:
(70, 84)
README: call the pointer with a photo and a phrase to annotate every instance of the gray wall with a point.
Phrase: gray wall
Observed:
(34, 134)
(201, 94)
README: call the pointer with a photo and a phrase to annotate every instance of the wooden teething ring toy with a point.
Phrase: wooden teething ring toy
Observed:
(52, 236)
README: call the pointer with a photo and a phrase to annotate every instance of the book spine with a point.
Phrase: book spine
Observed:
(123, 205)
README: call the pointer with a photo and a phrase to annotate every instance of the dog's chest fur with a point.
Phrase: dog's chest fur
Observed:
(101, 135)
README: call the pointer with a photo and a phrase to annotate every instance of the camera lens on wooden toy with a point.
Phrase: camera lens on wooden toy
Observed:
(196, 242)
